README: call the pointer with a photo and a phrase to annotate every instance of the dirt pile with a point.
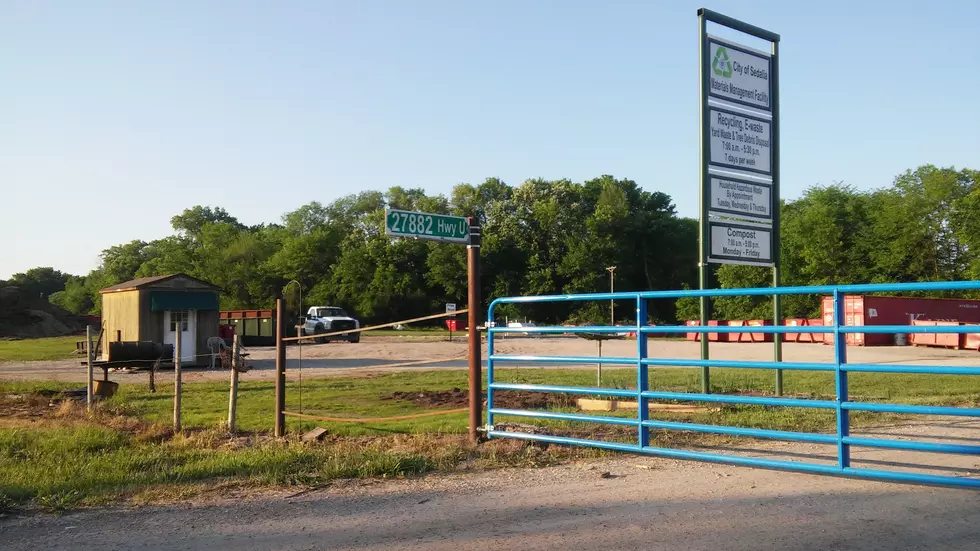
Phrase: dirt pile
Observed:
(38, 404)
(23, 318)
(457, 398)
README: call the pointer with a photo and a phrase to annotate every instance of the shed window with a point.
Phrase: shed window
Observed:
(178, 316)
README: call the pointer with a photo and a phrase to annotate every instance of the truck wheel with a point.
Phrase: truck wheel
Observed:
(318, 330)
(355, 339)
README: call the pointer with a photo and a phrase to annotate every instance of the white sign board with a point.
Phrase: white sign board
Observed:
(740, 141)
(450, 307)
(736, 243)
(739, 75)
(734, 197)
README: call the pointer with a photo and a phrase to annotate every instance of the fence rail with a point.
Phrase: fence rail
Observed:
(841, 405)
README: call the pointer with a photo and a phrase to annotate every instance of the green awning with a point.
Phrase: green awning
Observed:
(183, 300)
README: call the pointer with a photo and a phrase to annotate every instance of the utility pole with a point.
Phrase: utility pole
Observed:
(612, 289)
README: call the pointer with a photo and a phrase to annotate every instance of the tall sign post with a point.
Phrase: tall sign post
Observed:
(463, 231)
(739, 191)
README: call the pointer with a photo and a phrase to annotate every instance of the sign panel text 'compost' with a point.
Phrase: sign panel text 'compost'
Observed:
(741, 244)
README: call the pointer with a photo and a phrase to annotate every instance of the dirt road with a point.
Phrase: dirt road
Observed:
(644, 504)
(388, 354)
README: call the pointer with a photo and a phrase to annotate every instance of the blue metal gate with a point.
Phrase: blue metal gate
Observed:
(842, 405)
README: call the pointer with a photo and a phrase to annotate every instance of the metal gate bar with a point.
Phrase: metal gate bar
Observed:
(842, 405)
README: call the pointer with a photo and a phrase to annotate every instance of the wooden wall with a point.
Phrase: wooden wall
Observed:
(121, 312)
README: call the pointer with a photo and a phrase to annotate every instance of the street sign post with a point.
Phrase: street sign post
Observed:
(464, 231)
(739, 160)
(432, 227)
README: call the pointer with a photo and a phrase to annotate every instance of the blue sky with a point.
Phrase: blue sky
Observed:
(116, 115)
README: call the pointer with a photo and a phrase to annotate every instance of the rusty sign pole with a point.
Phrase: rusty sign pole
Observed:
(473, 275)
(280, 424)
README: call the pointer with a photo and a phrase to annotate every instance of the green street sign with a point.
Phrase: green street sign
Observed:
(422, 225)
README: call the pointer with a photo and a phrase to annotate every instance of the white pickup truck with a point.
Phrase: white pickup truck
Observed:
(330, 319)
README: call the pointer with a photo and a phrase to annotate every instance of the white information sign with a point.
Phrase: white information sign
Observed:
(740, 244)
(739, 75)
(734, 197)
(450, 307)
(740, 141)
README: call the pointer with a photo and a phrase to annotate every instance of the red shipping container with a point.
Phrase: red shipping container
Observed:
(760, 337)
(816, 337)
(971, 341)
(869, 310)
(923, 339)
(948, 340)
(738, 337)
(712, 337)
(692, 336)
(796, 337)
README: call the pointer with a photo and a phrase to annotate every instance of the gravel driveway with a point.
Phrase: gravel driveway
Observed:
(642, 503)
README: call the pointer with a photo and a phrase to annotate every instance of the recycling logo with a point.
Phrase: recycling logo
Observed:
(721, 65)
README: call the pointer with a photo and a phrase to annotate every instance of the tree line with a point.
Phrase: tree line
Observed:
(546, 237)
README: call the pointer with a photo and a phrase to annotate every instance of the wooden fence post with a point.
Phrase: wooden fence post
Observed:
(177, 382)
(233, 393)
(90, 394)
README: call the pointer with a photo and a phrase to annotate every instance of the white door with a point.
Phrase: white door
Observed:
(186, 320)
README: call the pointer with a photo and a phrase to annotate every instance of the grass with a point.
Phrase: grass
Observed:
(125, 450)
(52, 348)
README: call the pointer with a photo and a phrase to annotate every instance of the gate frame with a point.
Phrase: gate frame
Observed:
(841, 405)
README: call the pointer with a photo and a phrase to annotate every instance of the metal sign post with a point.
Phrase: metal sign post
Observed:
(739, 172)
(473, 331)
(465, 231)
(451, 323)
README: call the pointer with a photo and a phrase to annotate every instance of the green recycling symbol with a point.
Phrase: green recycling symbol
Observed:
(721, 65)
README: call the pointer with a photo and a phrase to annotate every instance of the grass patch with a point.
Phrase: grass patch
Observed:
(63, 457)
(77, 459)
(51, 348)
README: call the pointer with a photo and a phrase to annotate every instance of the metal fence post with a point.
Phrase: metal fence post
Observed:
(704, 272)
(642, 383)
(840, 358)
(280, 422)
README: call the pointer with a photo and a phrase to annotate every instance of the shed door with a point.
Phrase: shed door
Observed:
(186, 320)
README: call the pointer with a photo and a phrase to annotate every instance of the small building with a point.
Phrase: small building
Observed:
(151, 309)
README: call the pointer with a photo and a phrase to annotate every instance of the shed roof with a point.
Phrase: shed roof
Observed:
(142, 282)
